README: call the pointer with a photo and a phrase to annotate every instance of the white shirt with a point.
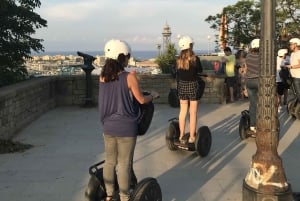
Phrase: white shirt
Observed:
(281, 61)
(295, 57)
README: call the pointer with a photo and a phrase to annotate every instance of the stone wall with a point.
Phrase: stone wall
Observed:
(22, 103)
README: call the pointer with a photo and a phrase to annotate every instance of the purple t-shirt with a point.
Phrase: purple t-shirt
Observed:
(118, 111)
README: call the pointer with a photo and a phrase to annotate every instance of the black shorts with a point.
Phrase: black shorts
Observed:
(187, 90)
(280, 88)
(231, 81)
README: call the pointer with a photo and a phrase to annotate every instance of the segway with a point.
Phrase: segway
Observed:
(244, 126)
(146, 190)
(202, 143)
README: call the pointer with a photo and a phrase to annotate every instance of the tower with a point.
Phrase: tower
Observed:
(166, 36)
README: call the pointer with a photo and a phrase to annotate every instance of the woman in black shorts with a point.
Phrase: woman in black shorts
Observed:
(188, 66)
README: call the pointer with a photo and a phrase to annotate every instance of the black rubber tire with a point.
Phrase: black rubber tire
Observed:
(291, 108)
(297, 111)
(147, 190)
(95, 191)
(203, 141)
(243, 128)
(173, 98)
(172, 134)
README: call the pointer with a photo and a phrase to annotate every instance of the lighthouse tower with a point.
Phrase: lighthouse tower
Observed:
(166, 37)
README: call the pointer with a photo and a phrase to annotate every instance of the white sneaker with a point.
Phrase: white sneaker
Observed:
(252, 128)
(279, 109)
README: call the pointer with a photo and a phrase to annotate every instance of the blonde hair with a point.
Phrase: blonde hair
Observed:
(185, 59)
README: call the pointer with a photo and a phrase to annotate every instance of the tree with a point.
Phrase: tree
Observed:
(288, 18)
(18, 22)
(167, 60)
(243, 20)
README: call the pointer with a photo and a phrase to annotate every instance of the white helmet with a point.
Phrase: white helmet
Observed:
(184, 42)
(282, 52)
(295, 40)
(114, 48)
(255, 43)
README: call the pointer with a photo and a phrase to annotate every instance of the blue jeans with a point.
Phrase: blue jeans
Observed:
(296, 82)
(252, 87)
(118, 158)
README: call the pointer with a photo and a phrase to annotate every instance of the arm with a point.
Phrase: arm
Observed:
(294, 66)
(133, 86)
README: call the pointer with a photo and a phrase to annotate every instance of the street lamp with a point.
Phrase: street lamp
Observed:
(158, 46)
(266, 180)
(208, 38)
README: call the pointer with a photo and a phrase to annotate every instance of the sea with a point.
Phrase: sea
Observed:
(139, 55)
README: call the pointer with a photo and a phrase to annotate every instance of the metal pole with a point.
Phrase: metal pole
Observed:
(266, 179)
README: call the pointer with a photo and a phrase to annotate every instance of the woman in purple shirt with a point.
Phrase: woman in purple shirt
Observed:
(119, 114)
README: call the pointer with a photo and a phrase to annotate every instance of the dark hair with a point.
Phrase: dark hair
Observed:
(227, 49)
(112, 68)
(240, 53)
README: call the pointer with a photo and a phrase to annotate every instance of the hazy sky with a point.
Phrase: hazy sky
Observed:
(87, 24)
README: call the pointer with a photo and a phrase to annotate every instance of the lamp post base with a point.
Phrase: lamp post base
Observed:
(251, 194)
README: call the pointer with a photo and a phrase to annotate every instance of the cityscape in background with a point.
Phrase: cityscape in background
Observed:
(69, 63)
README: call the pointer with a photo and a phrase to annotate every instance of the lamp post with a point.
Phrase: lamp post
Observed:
(266, 180)
(208, 38)
(158, 46)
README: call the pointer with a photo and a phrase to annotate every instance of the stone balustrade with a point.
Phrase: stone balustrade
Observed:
(22, 103)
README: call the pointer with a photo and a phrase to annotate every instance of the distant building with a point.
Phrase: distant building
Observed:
(166, 36)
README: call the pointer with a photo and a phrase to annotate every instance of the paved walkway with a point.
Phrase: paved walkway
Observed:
(67, 140)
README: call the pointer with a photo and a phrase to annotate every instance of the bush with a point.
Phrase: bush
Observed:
(167, 59)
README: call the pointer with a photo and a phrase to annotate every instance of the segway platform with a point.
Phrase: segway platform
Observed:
(202, 143)
(146, 190)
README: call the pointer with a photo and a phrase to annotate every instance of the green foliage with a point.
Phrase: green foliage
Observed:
(243, 22)
(17, 23)
(288, 17)
(167, 59)
(244, 18)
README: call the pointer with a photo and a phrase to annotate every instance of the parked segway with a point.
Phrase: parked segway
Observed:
(202, 143)
(244, 126)
(146, 190)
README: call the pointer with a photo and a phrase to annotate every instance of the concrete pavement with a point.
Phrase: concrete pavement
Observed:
(67, 140)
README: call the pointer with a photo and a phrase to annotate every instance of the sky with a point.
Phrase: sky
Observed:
(86, 25)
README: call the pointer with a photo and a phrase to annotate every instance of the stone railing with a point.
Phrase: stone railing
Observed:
(22, 103)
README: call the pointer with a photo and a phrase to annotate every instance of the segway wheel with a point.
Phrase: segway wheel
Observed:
(290, 108)
(95, 190)
(203, 141)
(173, 98)
(297, 111)
(147, 190)
(172, 134)
(243, 128)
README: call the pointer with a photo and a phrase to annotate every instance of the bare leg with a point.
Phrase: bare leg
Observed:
(231, 94)
(193, 119)
(182, 116)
